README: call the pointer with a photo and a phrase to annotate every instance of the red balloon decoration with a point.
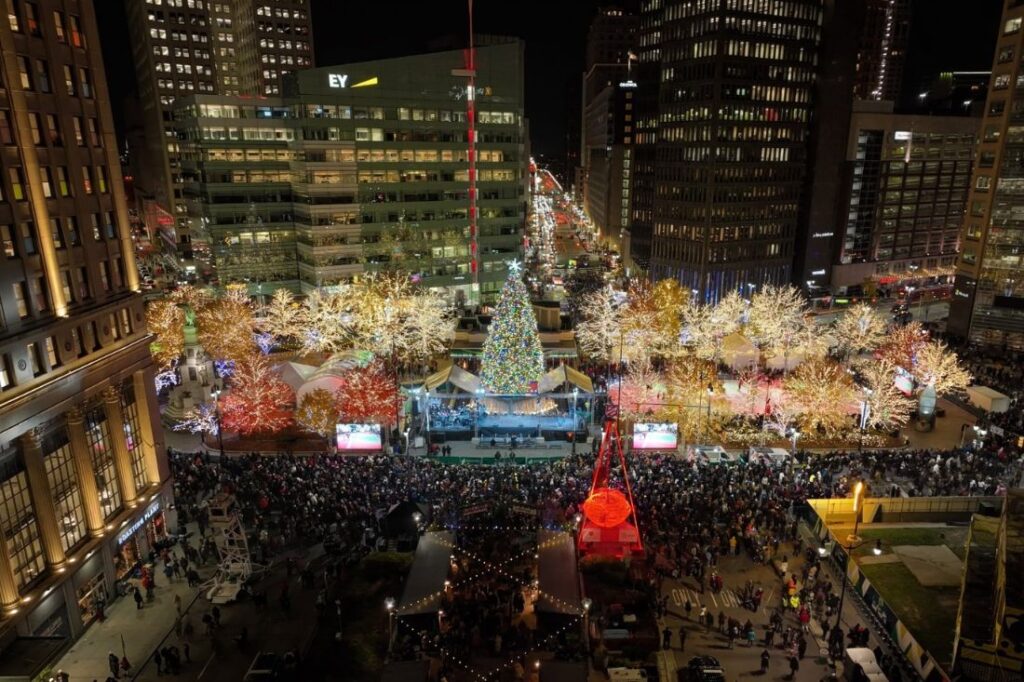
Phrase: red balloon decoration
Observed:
(607, 507)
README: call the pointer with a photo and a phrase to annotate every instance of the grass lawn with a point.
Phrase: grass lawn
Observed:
(928, 612)
(954, 537)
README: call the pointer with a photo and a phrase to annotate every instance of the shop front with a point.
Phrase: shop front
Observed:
(135, 542)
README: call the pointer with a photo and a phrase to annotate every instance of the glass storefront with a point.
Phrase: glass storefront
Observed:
(136, 540)
(92, 596)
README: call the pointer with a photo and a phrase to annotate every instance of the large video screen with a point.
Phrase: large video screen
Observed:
(358, 437)
(655, 436)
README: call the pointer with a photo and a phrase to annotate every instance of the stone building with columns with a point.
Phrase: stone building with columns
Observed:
(84, 483)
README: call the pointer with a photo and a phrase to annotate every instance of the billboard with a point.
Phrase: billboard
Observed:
(655, 436)
(358, 437)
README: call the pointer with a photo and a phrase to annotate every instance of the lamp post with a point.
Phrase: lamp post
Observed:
(216, 413)
(794, 434)
(852, 544)
(575, 395)
(389, 605)
(587, 603)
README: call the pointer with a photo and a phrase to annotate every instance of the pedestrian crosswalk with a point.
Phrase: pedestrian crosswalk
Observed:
(726, 598)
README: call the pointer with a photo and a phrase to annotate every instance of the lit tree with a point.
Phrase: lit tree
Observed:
(823, 393)
(887, 407)
(429, 326)
(580, 285)
(366, 395)
(598, 329)
(775, 316)
(259, 400)
(641, 391)
(706, 326)
(669, 300)
(860, 330)
(939, 367)
(166, 320)
(200, 419)
(693, 395)
(318, 412)
(326, 323)
(512, 354)
(282, 316)
(902, 345)
(381, 310)
(225, 325)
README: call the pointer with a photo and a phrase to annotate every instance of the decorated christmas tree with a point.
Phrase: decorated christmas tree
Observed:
(513, 359)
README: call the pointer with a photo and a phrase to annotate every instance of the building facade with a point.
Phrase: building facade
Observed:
(882, 49)
(988, 294)
(189, 47)
(735, 80)
(607, 122)
(81, 453)
(360, 168)
(905, 185)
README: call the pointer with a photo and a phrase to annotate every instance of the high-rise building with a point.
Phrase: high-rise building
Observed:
(187, 47)
(724, 157)
(903, 197)
(863, 51)
(83, 477)
(882, 49)
(607, 121)
(362, 167)
(988, 295)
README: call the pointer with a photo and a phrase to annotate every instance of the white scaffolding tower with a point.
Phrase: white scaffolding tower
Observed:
(235, 566)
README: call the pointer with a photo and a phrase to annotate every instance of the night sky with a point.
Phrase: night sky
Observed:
(946, 35)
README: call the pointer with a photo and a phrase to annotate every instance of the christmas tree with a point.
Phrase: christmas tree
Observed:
(513, 358)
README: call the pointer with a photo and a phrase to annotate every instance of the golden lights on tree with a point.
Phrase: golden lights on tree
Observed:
(887, 406)
(860, 330)
(939, 367)
(225, 325)
(823, 394)
(318, 412)
(165, 319)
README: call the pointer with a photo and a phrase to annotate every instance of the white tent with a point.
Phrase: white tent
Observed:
(295, 374)
(553, 380)
(738, 352)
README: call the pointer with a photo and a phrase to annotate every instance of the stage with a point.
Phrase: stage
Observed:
(460, 422)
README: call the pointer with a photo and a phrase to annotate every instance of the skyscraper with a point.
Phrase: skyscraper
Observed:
(988, 294)
(186, 47)
(727, 148)
(607, 120)
(84, 480)
(882, 49)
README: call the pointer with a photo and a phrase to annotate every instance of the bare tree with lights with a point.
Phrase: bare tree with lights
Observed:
(860, 330)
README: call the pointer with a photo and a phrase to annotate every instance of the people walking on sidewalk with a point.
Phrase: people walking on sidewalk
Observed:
(766, 658)
(138, 598)
(115, 665)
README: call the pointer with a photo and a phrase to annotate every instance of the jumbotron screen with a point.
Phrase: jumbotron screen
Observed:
(358, 437)
(655, 436)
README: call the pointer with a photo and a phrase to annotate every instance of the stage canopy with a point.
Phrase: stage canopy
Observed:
(563, 374)
(556, 572)
(425, 584)
(456, 376)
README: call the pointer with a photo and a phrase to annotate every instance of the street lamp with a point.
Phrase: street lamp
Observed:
(587, 603)
(575, 395)
(216, 414)
(852, 544)
(389, 606)
(794, 434)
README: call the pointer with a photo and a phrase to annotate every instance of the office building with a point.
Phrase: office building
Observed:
(860, 69)
(988, 295)
(84, 482)
(362, 167)
(189, 47)
(607, 124)
(905, 181)
(881, 49)
(724, 158)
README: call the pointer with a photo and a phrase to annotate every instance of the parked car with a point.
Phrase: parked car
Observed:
(702, 669)
(710, 454)
(775, 457)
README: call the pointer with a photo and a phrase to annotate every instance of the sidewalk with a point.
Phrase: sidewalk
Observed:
(142, 631)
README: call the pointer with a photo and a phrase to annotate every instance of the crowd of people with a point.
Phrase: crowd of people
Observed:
(690, 514)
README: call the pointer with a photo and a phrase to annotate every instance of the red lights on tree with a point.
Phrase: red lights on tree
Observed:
(367, 395)
(259, 400)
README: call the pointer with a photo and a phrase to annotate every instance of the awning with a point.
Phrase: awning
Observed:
(556, 573)
(550, 382)
(455, 375)
(425, 585)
